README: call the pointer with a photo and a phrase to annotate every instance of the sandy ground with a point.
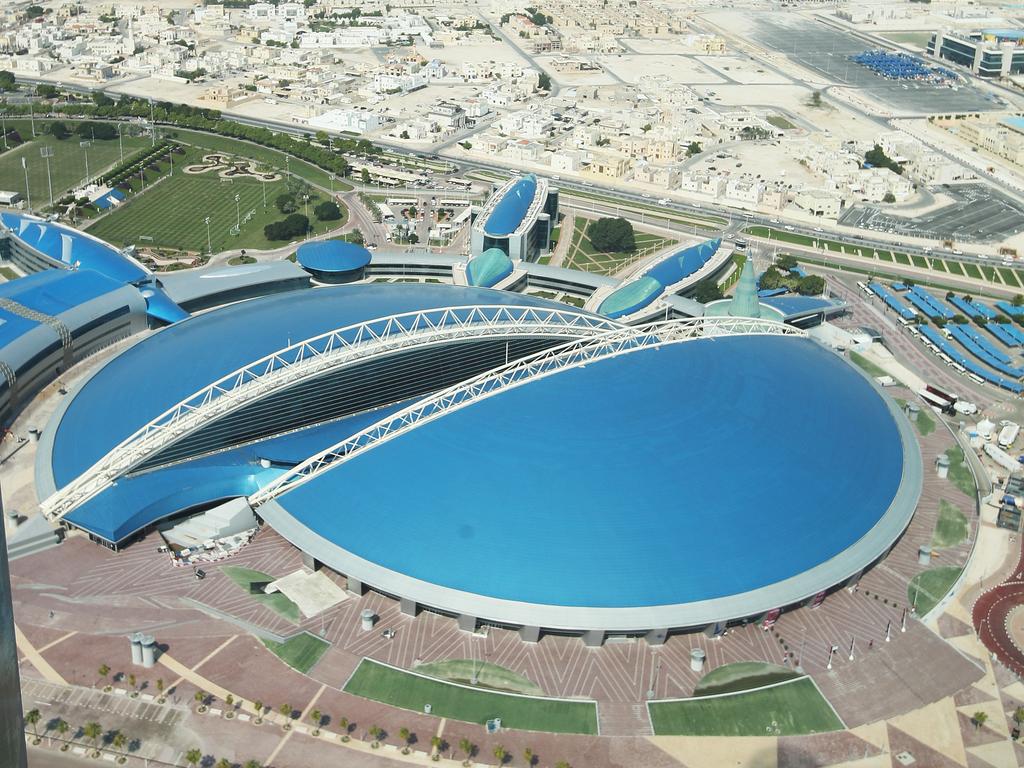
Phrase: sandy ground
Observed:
(682, 69)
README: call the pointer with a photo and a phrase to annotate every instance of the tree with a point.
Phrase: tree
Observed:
(344, 726)
(1018, 715)
(258, 706)
(34, 11)
(404, 135)
(46, 91)
(786, 262)
(193, 756)
(62, 729)
(529, 757)
(889, 198)
(364, 175)
(7, 81)
(1018, 300)
(104, 670)
(286, 203)
(32, 718)
(979, 718)
(223, 763)
(468, 749)
(252, 764)
(414, 238)
(500, 754)
(877, 158)
(812, 285)
(316, 718)
(544, 81)
(160, 686)
(707, 291)
(693, 148)
(93, 731)
(959, 319)
(322, 137)
(328, 210)
(405, 735)
(119, 741)
(435, 743)
(562, 764)
(200, 698)
(612, 235)
(59, 130)
(131, 681)
(815, 100)
(292, 226)
(286, 710)
(376, 732)
(645, 128)
(101, 99)
(356, 236)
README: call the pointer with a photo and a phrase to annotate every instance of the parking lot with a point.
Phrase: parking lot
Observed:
(979, 215)
(826, 51)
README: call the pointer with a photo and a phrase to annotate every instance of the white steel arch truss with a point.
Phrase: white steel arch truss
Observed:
(312, 357)
(573, 354)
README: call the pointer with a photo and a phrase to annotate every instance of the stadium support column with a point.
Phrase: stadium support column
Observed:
(12, 735)
(407, 606)
(467, 623)
(593, 638)
(310, 562)
(529, 634)
(356, 587)
(656, 636)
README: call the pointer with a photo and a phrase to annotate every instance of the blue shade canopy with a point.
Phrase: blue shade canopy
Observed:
(332, 256)
(489, 268)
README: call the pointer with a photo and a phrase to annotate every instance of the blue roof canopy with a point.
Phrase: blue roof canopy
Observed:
(332, 256)
(55, 291)
(509, 212)
(489, 268)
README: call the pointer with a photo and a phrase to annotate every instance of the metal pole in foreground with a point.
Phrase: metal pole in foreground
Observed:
(209, 246)
(28, 192)
(47, 153)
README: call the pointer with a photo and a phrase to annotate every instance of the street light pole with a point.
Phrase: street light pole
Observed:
(120, 144)
(209, 246)
(85, 148)
(47, 153)
(28, 192)
(3, 117)
(238, 215)
(152, 125)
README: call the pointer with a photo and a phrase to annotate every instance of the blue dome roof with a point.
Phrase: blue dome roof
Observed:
(489, 268)
(509, 212)
(332, 256)
(686, 483)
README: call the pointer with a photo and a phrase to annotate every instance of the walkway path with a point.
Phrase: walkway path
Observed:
(36, 658)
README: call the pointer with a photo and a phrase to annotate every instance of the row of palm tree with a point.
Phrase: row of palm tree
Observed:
(104, 670)
(195, 756)
(91, 731)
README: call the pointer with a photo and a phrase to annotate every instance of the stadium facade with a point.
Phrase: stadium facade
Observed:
(517, 219)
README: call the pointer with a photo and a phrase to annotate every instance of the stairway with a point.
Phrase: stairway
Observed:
(623, 719)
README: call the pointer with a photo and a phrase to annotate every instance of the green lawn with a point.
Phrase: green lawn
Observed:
(971, 270)
(959, 473)
(787, 709)
(925, 422)
(408, 691)
(930, 586)
(583, 256)
(780, 122)
(488, 675)
(741, 676)
(1009, 277)
(276, 602)
(951, 527)
(172, 213)
(868, 367)
(301, 652)
(67, 166)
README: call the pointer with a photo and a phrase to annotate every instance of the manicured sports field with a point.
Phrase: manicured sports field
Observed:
(171, 213)
(408, 691)
(67, 166)
(786, 709)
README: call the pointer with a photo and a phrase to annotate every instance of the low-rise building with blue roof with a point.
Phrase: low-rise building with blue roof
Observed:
(35, 244)
(333, 261)
(51, 320)
(517, 219)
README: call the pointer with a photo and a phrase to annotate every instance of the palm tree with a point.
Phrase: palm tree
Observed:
(529, 757)
(193, 756)
(160, 688)
(223, 763)
(979, 718)
(258, 706)
(405, 734)
(200, 698)
(286, 711)
(93, 731)
(435, 743)
(316, 717)
(375, 733)
(32, 718)
(119, 741)
(1018, 715)
(344, 726)
(468, 747)
(562, 764)
(500, 754)
(252, 764)
(104, 670)
(63, 728)
(131, 681)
